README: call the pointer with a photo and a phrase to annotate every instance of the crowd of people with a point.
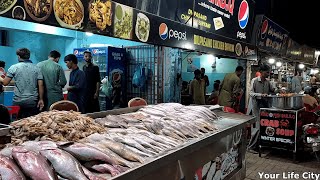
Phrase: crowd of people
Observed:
(38, 86)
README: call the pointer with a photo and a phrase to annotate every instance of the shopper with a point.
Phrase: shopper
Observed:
(296, 83)
(77, 82)
(213, 98)
(230, 88)
(54, 79)
(205, 78)
(250, 105)
(2, 69)
(260, 88)
(93, 84)
(28, 92)
(196, 90)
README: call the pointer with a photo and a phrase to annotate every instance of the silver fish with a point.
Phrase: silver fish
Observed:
(102, 168)
(60, 160)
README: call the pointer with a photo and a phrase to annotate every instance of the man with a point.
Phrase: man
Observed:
(93, 84)
(250, 105)
(230, 88)
(196, 90)
(204, 77)
(54, 79)
(260, 88)
(77, 82)
(2, 70)
(296, 83)
(28, 79)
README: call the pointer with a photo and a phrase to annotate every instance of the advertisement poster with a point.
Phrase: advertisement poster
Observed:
(278, 128)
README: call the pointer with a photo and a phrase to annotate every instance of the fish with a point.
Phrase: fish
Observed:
(7, 151)
(102, 168)
(130, 142)
(36, 146)
(122, 150)
(33, 164)
(118, 159)
(140, 153)
(64, 164)
(147, 142)
(90, 175)
(84, 152)
(9, 170)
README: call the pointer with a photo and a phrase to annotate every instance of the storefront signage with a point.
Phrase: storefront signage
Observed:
(269, 36)
(124, 22)
(308, 55)
(294, 51)
(278, 128)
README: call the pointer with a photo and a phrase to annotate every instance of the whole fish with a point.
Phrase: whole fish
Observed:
(147, 142)
(140, 153)
(122, 150)
(36, 146)
(90, 175)
(84, 152)
(118, 159)
(102, 168)
(9, 170)
(64, 164)
(33, 164)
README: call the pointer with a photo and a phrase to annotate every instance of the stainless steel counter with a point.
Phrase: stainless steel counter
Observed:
(186, 161)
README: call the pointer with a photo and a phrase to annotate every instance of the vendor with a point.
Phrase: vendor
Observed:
(213, 98)
(197, 87)
(261, 87)
(296, 83)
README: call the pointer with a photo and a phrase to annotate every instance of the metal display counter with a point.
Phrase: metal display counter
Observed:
(218, 155)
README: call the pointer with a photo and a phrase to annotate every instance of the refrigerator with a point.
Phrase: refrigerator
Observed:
(112, 65)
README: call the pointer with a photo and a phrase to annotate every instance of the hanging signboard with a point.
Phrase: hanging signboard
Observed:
(269, 36)
(125, 22)
(308, 55)
(294, 51)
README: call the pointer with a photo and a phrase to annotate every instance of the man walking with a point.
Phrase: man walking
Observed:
(54, 79)
(28, 79)
(230, 88)
(93, 84)
(77, 82)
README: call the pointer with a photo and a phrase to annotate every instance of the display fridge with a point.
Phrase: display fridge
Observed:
(112, 65)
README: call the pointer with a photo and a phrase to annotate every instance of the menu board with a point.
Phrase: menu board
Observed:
(113, 19)
(278, 128)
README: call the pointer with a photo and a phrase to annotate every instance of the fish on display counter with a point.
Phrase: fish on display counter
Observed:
(9, 170)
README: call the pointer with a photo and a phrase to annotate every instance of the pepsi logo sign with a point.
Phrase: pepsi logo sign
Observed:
(243, 14)
(75, 52)
(95, 51)
(264, 29)
(98, 51)
(166, 33)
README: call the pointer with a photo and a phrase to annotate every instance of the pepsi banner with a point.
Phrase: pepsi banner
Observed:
(269, 36)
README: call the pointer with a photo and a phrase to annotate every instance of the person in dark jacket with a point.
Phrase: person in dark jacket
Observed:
(77, 82)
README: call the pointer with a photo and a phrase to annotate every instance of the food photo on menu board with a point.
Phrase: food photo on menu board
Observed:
(69, 13)
(142, 29)
(38, 10)
(123, 21)
(100, 17)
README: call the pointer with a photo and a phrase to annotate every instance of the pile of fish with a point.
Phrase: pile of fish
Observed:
(54, 126)
(50, 160)
(170, 119)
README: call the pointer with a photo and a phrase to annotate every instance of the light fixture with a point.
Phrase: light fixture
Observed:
(301, 66)
(278, 64)
(89, 34)
(316, 71)
(271, 61)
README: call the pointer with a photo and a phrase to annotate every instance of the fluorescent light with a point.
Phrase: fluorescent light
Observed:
(271, 61)
(100, 45)
(301, 66)
(89, 34)
(278, 64)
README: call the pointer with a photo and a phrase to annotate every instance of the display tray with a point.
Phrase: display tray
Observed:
(185, 160)
(4, 129)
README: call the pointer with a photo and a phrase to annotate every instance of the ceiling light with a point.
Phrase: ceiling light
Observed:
(89, 33)
(301, 66)
(271, 61)
(278, 64)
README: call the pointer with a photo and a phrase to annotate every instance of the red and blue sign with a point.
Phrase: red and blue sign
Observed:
(163, 31)
(243, 14)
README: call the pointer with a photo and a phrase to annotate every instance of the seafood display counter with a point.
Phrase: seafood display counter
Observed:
(217, 155)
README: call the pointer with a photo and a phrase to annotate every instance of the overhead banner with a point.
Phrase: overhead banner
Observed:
(269, 36)
(294, 51)
(113, 19)
(308, 55)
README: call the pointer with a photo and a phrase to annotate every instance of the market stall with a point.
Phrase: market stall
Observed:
(215, 147)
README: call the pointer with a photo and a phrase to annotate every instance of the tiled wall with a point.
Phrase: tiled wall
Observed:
(216, 68)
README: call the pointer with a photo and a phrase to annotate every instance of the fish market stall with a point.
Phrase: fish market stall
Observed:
(176, 141)
(216, 155)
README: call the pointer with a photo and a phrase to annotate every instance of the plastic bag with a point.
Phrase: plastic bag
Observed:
(139, 77)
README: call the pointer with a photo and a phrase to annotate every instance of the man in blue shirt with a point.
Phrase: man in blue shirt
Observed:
(77, 82)
(28, 91)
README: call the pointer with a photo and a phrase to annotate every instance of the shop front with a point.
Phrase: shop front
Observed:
(156, 48)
